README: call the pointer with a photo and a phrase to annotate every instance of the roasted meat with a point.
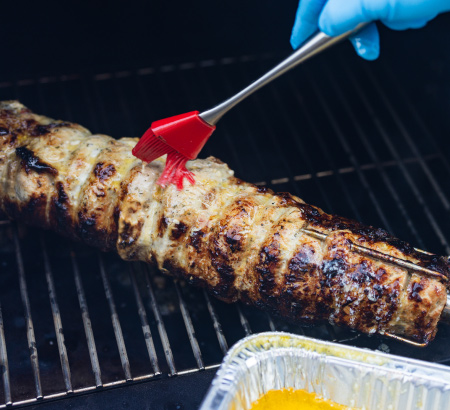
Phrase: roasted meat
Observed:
(239, 241)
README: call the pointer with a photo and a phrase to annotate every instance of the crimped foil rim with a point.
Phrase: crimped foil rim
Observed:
(259, 346)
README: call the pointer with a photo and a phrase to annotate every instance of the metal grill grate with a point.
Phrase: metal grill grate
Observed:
(72, 320)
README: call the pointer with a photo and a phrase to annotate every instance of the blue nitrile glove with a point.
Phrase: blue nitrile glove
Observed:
(335, 17)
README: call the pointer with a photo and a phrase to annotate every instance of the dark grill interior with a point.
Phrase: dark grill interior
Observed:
(339, 133)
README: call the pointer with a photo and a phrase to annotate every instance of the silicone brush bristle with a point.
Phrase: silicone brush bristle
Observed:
(175, 171)
(180, 137)
(150, 147)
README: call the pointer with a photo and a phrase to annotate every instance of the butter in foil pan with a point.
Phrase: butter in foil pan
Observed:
(354, 377)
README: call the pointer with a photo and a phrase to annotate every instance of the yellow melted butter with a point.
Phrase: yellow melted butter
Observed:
(290, 399)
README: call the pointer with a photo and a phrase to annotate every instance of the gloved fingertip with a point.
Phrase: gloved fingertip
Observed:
(367, 42)
(294, 41)
(368, 50)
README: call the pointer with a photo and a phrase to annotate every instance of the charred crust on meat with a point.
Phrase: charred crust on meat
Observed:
(363, 273)
(89, 231)
(40, 129)
(178, 230)
(220, 262)
(266, 267)
(34, 207)
(116, 214)
(368, 235)
(60, 207)
(30, 162)
(162, 225)
(263, 190)
(300, 264)
(195, 239)
(234, 239)
(286, 199)
(414, 291)
(103, 172)
(129, 233)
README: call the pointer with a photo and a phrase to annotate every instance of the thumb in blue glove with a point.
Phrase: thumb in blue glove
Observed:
(335, 17)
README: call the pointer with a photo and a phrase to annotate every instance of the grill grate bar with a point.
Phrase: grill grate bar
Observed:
(387, 181)
(190, 328)
(401, 126)
(4, 363)
(124, 106)
(271, 323)
(28, 319)
(115, 321)
(145, 326)
(57, 319)
(217, 325)
(345, 170)
(325, 150)
(243, 124)
(272, 135)
(287, 119)
(404, 170)
(87, 323)
(416, 115)
(347, 147)
(160, 323)
(244, 322)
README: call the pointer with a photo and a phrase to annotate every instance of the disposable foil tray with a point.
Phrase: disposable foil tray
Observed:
(354, 377)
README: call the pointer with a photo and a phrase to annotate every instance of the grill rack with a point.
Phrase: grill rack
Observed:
(289, 178)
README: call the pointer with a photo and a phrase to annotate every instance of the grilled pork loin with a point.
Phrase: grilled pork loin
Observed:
(239, 241)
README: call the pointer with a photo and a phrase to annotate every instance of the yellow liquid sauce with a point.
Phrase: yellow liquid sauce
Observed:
(290, 399)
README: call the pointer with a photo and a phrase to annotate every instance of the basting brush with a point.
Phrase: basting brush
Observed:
(183, 136)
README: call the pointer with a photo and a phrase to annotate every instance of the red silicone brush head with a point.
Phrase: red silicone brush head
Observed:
(181, 137)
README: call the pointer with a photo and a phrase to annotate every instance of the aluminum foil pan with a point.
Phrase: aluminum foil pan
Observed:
(354, 377)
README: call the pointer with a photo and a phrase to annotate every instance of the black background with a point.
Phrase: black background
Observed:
(63, 37)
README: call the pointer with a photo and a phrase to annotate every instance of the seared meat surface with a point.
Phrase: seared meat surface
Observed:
(239, 241)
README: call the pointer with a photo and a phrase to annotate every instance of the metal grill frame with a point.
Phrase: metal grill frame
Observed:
(290, 179)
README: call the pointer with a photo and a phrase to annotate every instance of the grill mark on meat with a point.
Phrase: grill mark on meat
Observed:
(102, 172)
(60, 208)
(35, 209)
(301, 286)
(195, 239)
(414, 293)
(266, 268)
(220, 262)
(263, 190)
(178, 230)
(86, 226)
(162, 225)
(40, 129)
(30, 162)
(129, 234)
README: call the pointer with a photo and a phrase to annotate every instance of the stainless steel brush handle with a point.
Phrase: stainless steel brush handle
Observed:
(314, 45)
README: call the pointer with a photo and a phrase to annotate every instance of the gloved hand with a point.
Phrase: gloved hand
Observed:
(335, 17)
